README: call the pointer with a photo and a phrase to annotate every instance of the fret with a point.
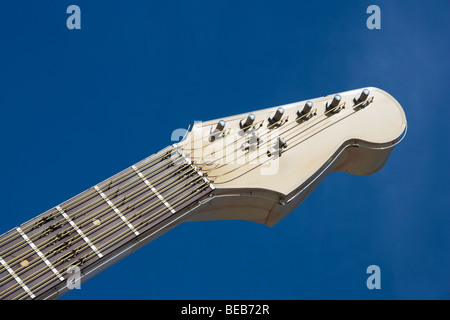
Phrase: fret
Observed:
(17, 255)
(39, 253)
(153, 189)
(93, 227)
(19, 281)
(124, 219)
(82, 235)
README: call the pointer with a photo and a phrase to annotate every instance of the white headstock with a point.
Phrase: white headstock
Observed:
(282, 153)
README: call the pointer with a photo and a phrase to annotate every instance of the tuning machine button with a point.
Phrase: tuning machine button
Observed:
(364, 94)
(334, 104)
(278, 114)
(306, 113)
(362, 101)
(277, 117)
(217, 131)
(247, 122)
(220, 125)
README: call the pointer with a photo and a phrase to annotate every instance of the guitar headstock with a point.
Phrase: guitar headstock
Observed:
(283, 152)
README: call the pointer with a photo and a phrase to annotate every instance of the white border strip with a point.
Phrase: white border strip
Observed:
(86, 239)
(39, 253)
(153, 189)
(116, 210)
(16, 277)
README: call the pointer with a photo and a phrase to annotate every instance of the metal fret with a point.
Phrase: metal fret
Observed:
(19, 281)
(86, 239)
(85, 230)
(124, 219)
(160, 197)
(39, 253)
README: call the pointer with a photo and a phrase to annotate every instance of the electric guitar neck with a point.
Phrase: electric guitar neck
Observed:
(256, 167)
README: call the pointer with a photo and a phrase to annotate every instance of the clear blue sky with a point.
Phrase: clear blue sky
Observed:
(78, 106)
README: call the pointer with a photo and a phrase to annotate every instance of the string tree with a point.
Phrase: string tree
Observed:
(277, 148)
(252, 143)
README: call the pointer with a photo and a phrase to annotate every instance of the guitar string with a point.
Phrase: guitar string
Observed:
(352, 111)
(99, 237)
(263, 154)
(267, 143)
(128, 196)
(260, 136)
(80, 224)
(258, 164)
(112, 229)
(124, 188)
(124, 235)
(269, 159)
(76, 200)
(119, 225)
(331, 110)
(126, 175)
(132, 195)
(56, 213)
(211, 143)
(184, 143)
(62, 259)
(295, 122)
(296, 119)
(82, 210)
(234, 142)
(243, 129)
(134, 204)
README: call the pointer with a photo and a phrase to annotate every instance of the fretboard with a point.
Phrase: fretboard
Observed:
(99, 226)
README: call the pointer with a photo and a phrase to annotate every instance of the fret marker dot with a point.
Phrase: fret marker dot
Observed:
(24, 263)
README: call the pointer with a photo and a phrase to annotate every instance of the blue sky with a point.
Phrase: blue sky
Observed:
(80, 105)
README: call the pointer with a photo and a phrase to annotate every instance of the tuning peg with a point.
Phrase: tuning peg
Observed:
(305, 113)
(277, 116)
(334, 103)
(247, 122)
(337, 98)
(364, 94)
(218, 131)
(307, 108)
(220, 125)
(276, 149)
(362, 101)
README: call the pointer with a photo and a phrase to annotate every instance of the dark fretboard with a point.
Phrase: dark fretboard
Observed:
(93, 227)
